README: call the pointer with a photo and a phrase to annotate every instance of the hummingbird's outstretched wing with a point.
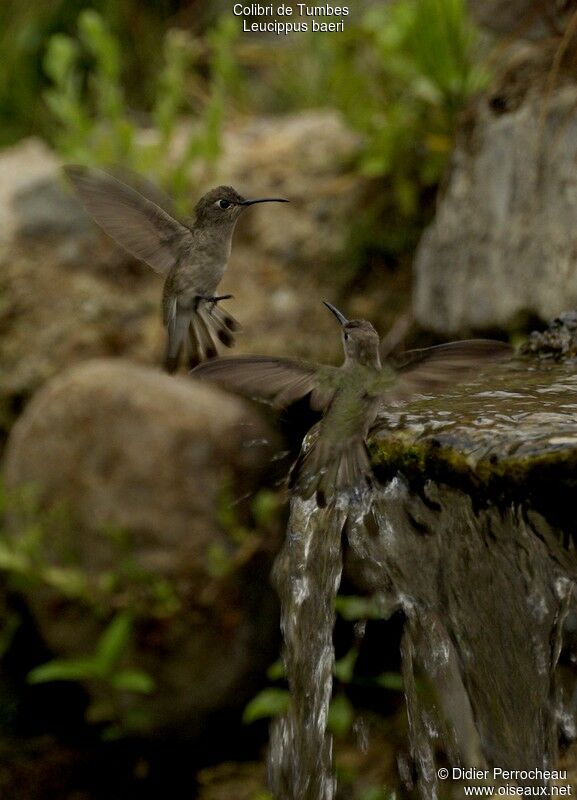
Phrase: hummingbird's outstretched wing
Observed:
(136, 223)
(279, 381)
(431, 369)
(146, 188)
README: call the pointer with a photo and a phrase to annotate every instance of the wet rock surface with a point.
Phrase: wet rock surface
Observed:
(143, 469)
(491, 586)
(502, 243)
(558, 340)
(495, 433)
(472, 536)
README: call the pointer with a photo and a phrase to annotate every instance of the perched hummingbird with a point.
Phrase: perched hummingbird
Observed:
(192, 254)
(349, 396)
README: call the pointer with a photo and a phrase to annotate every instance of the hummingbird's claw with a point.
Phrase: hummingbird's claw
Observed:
(214, 300)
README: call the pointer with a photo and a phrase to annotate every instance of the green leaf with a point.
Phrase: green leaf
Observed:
(219, 563)
(13, 561)
(276, 671)
(341, 715)
(264, 507)
(61, 57)
(352, 607)
(133, 680)
(114, 641)
(391, 680)
(65, 670)
(377, 793)
(70, 582)
(268, 703)
(345, 666)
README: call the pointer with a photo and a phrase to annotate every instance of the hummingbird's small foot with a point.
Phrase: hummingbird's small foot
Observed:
(227, 324)
(217, 298)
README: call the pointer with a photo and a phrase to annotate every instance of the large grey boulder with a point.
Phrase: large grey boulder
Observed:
(143, 469)
(503, 242)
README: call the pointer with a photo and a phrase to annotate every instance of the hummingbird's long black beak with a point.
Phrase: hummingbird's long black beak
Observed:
(264, 200)
(341, 317)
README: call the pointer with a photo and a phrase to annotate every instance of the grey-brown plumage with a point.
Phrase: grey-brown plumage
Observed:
(349, 397)
(191, 254)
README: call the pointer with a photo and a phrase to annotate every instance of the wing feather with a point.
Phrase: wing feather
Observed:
(280, 381)
(431, 369)
(136, 223)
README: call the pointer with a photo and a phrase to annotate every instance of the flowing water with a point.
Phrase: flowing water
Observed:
(471, 534)
(307, 576)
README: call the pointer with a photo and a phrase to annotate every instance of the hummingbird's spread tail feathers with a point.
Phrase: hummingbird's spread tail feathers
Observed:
(194, 354)
(178, 326)
(324, 469)
(135, 222)
(223, 323)
(188, 332)
(200, 330)
(197, 331)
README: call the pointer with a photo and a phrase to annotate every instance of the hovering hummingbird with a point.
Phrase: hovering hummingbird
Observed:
(192, 254)
(349, 396)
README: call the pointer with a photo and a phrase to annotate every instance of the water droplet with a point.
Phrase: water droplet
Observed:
(280, 455)
(359, 629)
(256, 443)
(362, 734)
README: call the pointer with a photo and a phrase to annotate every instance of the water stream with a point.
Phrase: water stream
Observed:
(307, 576)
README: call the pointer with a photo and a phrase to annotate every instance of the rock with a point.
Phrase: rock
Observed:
(144, 468)
(472, 536)
(521, 17)
(286, 258)
(502, 244)
(516, 416)
(307, 158)
(68, 293)
(558, 341)
(22, 167)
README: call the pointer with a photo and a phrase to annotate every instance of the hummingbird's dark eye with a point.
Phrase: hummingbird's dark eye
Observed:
(346, 336)
(223, 203)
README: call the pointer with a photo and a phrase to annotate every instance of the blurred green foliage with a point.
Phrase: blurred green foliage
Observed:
(244, 537)
(91, 77)
(38, 554)
(401, 73)
(106, 668)
(26, 26)
(43, 555)
(94, 123)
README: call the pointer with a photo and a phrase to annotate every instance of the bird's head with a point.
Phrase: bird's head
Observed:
(224, 205)
(360, 339)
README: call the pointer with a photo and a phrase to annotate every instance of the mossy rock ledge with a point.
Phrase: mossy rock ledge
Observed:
(510, 434)
(471, 534)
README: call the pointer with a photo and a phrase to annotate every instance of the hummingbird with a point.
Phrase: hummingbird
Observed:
(349, 397)
(191, 254)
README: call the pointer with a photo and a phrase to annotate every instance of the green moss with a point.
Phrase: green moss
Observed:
(424, 459)
(546, 482)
